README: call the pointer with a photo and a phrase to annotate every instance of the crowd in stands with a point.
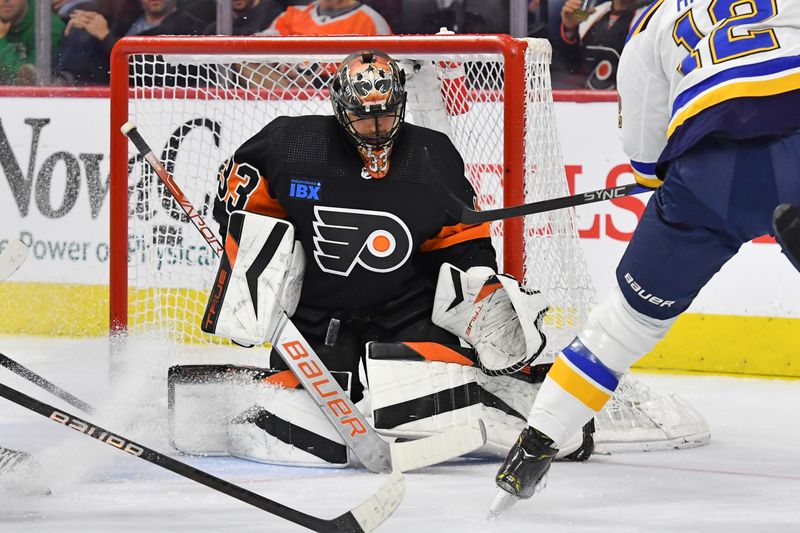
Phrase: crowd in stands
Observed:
(586, 44)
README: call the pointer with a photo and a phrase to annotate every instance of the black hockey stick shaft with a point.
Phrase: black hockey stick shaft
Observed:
(345, 522)
(197, 219)
(467, 215)
(39, 381)
(460, 211)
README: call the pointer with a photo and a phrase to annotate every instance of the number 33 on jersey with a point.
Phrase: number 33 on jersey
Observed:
(693, 68)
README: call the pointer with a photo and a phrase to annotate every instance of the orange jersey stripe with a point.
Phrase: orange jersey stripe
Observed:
(258, 201)
(458, 233)
(263, 203)
(433, 351)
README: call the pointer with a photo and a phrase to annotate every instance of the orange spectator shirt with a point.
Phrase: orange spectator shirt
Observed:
(306, 20)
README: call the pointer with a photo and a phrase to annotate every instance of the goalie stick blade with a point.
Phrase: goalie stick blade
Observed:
(438, 448)
(12, 257)
(376, 509)
(786, 223)
(365, 517)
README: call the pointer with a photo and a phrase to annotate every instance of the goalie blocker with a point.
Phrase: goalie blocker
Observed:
(260, 277)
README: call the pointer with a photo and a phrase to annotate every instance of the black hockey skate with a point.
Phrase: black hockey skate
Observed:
(524, 473)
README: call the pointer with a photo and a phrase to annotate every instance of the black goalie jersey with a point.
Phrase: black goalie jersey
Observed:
(367, 241)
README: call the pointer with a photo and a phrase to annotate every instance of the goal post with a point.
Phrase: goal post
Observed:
(200, 97)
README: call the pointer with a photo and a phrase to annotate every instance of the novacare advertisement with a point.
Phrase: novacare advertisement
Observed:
(54, 196)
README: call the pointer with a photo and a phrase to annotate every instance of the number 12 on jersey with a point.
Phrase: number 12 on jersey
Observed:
(724, 42)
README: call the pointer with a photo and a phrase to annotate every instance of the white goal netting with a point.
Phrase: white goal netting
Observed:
(195, 110)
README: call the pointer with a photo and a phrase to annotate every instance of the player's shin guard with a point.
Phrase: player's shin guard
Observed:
(524, 471)
(587, 372)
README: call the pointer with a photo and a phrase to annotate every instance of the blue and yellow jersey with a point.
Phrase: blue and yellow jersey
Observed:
(693, 68)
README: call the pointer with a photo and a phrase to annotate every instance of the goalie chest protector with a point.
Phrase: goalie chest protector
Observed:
(359, 235)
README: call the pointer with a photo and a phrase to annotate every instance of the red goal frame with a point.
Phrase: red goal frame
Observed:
(512, 50)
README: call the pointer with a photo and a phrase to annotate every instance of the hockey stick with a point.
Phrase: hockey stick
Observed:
(460, 211)
(38, 380)
(786, 223)
(11, 258)
(374, 452)
(364, 517)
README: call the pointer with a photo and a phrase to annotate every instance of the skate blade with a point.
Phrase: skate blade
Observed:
(502, 502)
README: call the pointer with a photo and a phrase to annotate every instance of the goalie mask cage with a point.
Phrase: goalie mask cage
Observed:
(196, 99)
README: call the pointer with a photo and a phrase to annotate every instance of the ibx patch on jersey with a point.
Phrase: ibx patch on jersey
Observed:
(304, 189)
(376, 240)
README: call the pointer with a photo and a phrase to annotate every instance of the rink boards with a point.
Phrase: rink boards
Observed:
(54, 196)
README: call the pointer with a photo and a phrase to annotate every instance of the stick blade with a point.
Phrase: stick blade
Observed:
(438, 448)
(12, 257)
(377, 508)
(786, 223)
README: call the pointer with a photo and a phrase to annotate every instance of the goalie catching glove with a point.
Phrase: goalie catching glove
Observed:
(259, 277)
(494, 314)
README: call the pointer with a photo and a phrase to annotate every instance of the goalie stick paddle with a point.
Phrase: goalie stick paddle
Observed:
(465, 214)
(39, 381)
(786, 223)
(374, 452)
(12, 257)
(365, 517)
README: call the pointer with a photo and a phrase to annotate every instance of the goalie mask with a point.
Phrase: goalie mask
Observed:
(369, 101)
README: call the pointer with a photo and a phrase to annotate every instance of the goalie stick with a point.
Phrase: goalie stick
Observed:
(465, 214)
(364, 517)
(12, 257)
(375, 453)
(786, 223)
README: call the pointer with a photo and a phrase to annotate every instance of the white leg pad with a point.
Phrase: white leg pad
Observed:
(252, 413)
(417, 398)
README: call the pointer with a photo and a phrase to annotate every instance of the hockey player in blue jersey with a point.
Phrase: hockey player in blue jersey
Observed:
(710, 116)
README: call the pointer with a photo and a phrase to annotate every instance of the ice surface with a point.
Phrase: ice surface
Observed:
(746, 480)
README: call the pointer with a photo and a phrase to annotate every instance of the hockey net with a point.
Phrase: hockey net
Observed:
(196, 108)
(195, 100)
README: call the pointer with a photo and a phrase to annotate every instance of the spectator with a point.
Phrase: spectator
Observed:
(590, 48)
(321, 17)
(18, 41)
(536, 26)
(391, 11)
(330, 17)
(250, 16)
(89, 38)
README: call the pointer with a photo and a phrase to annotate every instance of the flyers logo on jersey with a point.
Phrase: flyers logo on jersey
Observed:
(344, 238)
